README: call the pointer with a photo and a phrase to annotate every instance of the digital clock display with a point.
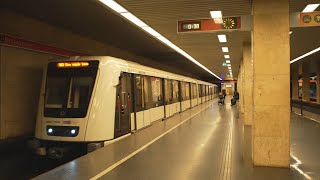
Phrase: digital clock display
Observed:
(191, 26)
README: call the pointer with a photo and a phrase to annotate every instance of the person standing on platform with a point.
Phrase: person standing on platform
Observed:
(235, 98)
(224, 93)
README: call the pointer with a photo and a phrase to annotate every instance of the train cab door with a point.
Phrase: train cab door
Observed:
(123, 105)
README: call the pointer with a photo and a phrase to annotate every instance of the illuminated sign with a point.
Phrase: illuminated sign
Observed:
(72, 64)
(310, 19)
(189, 26)
(229, 23)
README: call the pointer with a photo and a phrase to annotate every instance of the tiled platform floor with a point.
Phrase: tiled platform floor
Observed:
(211, 142)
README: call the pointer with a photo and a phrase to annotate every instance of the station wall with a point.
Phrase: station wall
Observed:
(21, 70)
(21, 77)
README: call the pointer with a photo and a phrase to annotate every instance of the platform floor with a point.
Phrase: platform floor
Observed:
(206, 142)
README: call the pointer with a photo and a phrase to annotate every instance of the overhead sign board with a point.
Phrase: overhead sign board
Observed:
(310, 19)
(229, 23)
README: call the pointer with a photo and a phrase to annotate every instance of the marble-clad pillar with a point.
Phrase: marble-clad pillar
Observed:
(271, 83)
(247, 84)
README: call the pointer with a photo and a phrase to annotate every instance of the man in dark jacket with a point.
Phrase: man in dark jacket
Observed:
(235, 98)
(224, 93)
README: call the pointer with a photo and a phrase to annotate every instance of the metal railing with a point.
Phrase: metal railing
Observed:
(305, 106)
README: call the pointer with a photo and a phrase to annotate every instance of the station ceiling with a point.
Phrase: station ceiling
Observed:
(92, 19)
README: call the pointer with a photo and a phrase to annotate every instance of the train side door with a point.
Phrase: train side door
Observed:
(123, 105)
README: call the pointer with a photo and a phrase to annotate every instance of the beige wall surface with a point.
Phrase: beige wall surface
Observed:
(34, 30)
(20, 86)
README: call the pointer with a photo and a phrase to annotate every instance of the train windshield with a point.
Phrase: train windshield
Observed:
(69, 88)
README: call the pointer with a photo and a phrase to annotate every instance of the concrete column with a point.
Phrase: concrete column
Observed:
(294, 80)
(242, 88)
(306, 81)
(271, 87)
(247, 84)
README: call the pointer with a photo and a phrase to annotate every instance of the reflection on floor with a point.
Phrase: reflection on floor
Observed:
(213, 144)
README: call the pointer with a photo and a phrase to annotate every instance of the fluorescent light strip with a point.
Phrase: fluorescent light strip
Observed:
(226, 56)
(113, 5)
(132, 18)
(305, 55)
(217, 16)
(164, 40)
(222, 38)
(227, 61)
(229, 67)
(151, 31)
(310, 8)
(225, 49)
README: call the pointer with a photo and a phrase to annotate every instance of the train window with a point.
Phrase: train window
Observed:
(147, 92)
(188, 91)
(157, 96)
(183, 91)
(68, 90)
(80, 91)
(203, 93)
(139, 99)
(194, 91)
(68, 96)
(55, 92)
(168, 91)
(175, 91)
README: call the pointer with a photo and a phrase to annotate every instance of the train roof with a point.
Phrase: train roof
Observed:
(135, 68)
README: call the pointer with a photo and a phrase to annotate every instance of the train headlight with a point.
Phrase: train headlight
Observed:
(50, 130)
(73, 131)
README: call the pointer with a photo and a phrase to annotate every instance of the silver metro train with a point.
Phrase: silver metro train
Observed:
(93, 100)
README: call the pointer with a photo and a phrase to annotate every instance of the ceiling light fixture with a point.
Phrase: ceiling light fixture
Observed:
(310, 8)
(222, 38)
(151, 31)
(305, 55)
(164, 40)
(227, 61)
(229, 67)
(113, 5)
(132, 18)
(217, 16)
(227, 56)
(290, 32)
(225, 49)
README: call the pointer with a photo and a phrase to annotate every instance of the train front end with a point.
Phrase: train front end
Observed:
(64, 105)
